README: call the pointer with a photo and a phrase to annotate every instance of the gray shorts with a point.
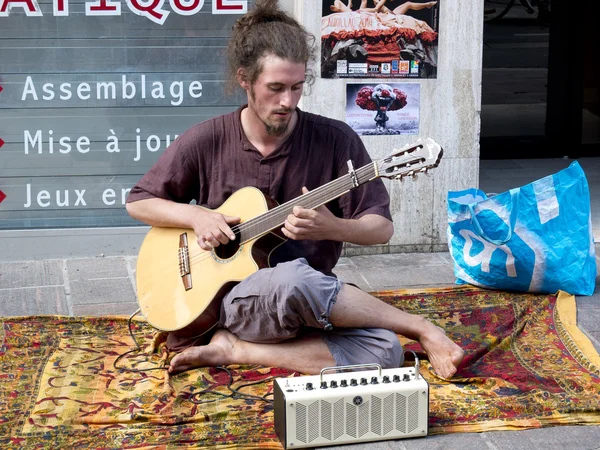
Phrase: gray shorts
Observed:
(291, 300)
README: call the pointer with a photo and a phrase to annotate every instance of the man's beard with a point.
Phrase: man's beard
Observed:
(276, 128)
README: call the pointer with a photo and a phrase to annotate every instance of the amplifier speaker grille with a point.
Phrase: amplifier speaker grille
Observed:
(379, 415)
(388, 414)
(326, 420)
(301, 423)
(393, 405)
(338, 425)
(376, 415)
(413, 404)
(400, 413)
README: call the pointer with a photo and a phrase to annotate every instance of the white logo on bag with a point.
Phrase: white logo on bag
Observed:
(484, 256)
(545, 197)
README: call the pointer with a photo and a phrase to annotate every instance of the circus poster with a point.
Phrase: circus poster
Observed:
(379, 39)
(383, 109)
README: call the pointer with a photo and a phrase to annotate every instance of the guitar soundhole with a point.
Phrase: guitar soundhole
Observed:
(228, 250)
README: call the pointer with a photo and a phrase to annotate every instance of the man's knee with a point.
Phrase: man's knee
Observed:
(297, 275)
(351, 346)
(302, 289)
(392, 355)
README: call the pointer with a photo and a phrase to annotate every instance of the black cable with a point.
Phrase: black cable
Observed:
(235, 393)
(136, 349)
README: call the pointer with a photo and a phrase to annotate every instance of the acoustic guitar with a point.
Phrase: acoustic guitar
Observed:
(177, 281)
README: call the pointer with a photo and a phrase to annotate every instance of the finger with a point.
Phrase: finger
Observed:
(287, 233)
(300, 224)
(231, 220)
(227, 233)
(203, 245)
(211, 240)
(303, 213)
(221, 237)
(291, 228)
(304, 190)
(291, 219)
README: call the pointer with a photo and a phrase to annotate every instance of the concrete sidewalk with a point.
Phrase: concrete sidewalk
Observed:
(106, 285)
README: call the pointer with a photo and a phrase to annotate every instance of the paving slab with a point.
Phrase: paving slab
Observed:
(458, 441)
(31, 274)
(590, 320)
(551, 438)
(102, 291)
(404, 270)
(33, 301)
(107, 309)
(97, 268)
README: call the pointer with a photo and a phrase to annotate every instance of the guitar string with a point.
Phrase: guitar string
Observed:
(322, 193)
(318, 193)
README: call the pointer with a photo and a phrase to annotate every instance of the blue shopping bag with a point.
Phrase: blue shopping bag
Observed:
(535, 238)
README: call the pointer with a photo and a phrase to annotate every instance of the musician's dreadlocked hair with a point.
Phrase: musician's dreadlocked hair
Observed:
(267, 30)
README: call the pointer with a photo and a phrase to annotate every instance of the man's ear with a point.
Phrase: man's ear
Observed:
(242, 79)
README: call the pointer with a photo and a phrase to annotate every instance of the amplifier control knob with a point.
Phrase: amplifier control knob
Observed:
(323, 384)
(386, 379)
(406, 377)
(363, 381)
(344, 383)
(309, 386)
(333, 384)
(396, 378)
(374, 380)
(353, 382)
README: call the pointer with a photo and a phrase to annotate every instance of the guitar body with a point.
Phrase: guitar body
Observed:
(163, 297)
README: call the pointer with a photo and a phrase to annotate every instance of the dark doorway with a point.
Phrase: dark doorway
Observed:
(539, 86)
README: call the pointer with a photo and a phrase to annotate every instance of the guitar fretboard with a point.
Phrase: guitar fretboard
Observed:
(253, 228)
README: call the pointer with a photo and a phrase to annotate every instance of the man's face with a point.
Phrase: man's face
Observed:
(275, 94)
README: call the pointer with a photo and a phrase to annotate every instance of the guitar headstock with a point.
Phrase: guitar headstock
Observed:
(418, 157)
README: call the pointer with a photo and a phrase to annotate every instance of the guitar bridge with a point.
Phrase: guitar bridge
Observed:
(184, 262)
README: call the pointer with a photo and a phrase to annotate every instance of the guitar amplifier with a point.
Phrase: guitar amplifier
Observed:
(350, 407)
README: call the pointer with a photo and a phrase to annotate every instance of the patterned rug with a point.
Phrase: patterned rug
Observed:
(527, 365)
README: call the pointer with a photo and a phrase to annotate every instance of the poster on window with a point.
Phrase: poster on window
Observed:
(383, 108)
(379, 39)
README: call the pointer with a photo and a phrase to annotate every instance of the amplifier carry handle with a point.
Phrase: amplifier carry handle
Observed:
(352, 366)
(373, 365)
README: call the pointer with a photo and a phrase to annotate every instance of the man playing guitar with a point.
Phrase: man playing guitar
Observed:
(294, 314)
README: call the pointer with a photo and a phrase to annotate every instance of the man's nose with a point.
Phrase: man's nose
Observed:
(286, 99)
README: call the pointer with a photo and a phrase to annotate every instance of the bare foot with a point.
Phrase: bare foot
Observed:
(444, 355)
(218, 352)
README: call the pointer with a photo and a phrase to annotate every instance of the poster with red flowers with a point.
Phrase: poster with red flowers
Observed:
(381, 109)
(379, 39)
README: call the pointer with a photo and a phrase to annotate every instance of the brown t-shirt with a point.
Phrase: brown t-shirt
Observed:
(214, 159)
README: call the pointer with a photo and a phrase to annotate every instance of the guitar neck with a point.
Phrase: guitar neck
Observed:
(257, 226)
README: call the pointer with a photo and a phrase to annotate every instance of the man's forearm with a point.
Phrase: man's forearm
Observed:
(371, 229)
(163, 213)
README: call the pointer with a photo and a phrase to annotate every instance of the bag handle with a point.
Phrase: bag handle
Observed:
(514, 208)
